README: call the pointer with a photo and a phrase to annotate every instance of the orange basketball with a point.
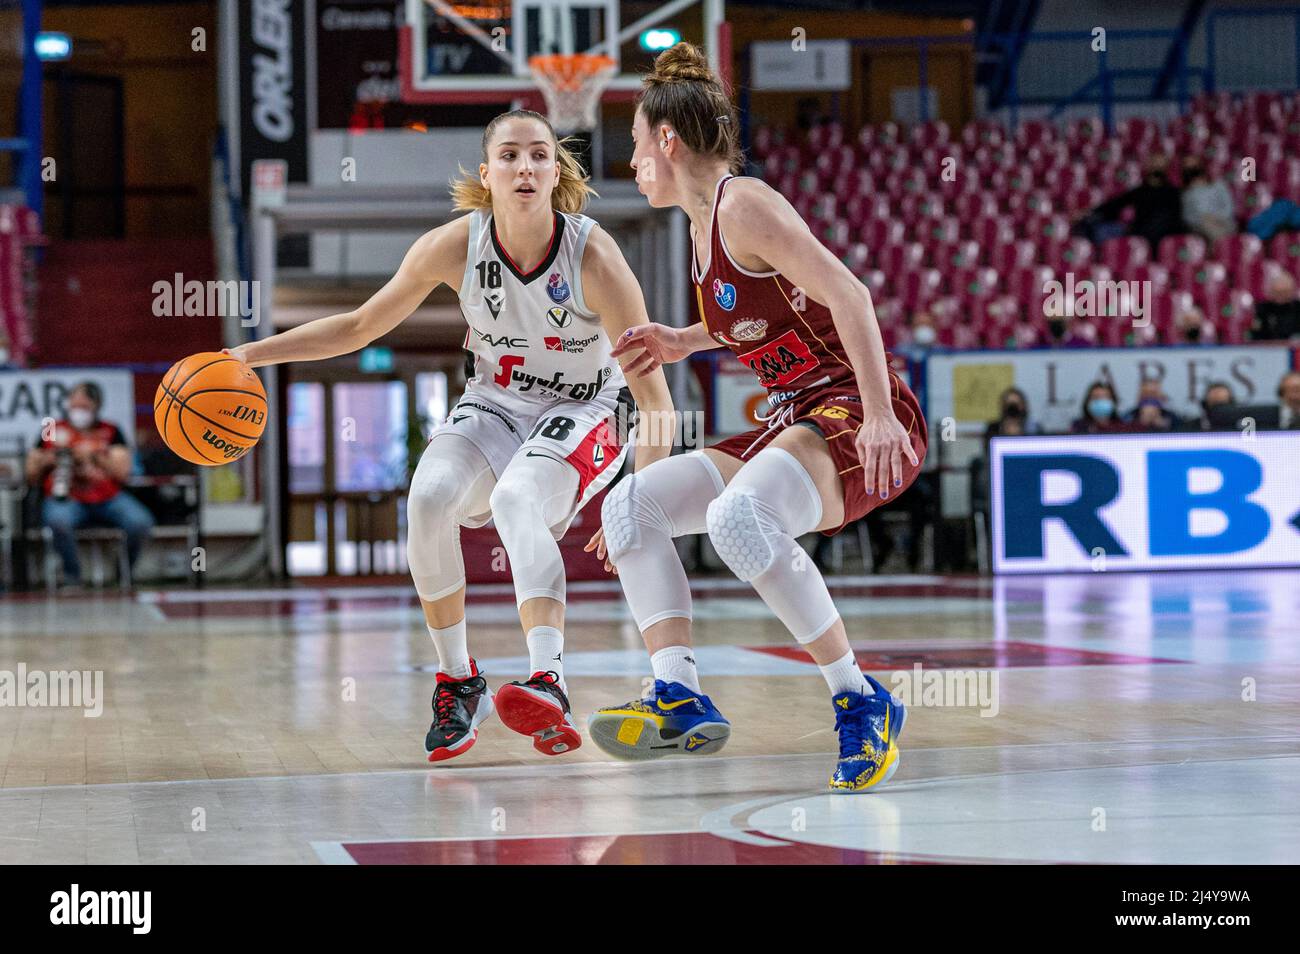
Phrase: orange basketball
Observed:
(210, 408)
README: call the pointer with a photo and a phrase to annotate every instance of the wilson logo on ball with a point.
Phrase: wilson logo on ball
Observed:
(210, 409)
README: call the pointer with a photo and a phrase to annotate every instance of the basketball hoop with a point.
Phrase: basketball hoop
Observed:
(572, 83)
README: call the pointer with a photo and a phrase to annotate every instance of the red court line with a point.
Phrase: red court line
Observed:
(679, 848)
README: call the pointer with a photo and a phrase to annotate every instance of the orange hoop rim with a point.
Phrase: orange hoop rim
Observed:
(570, 70)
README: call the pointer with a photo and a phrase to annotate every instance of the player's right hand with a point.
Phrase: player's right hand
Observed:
(653, 345)
(597, 543)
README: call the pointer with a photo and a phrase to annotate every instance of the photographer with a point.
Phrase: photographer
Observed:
(81, 463)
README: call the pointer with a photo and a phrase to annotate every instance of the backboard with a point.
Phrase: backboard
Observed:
(477, 51)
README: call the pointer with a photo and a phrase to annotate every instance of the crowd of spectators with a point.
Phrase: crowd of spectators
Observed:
(1103, 412)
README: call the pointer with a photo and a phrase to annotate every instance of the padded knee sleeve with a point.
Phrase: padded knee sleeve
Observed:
(754, 524)
(671, 497)
(641, 515)
(770, 501)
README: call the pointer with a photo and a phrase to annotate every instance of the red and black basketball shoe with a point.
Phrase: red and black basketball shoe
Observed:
(459, 707)
(538, 707)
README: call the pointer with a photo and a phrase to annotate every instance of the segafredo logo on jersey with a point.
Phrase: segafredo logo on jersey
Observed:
(510, 371)
(559, 318)
(557, 288)
(724, 293)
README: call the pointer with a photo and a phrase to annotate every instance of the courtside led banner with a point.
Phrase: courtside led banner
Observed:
(1145, 502)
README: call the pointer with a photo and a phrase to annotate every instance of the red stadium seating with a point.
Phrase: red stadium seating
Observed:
(982, 244)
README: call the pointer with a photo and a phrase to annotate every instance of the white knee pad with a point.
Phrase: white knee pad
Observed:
(450, 484)
(741, 528)
(533, 494)
(753, 526)
(671, 496)
(770, 501)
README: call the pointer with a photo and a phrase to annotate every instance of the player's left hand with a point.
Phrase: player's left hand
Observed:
(882, 444)
(597, 543)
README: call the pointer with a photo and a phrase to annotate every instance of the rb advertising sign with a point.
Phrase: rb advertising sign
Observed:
(1145, 502)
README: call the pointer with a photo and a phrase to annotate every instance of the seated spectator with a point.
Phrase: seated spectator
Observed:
(1151, 413)
(920, 337)
(1100, 412)
(1218, 393)
(1277, 317)
(1070, 332)
(81, 463)
(1013, 417)
(1190, 327)
(1288, 391)
(1207, 203)
(1156, 203)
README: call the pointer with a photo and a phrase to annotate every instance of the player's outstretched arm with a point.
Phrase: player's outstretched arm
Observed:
(612, 292)
(438, 256)
(764, 225)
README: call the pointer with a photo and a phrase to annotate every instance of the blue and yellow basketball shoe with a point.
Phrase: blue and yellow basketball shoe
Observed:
(868, 727)
(673, 721)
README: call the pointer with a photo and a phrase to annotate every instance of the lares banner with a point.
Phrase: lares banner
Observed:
(1145, 502)
(966, 386)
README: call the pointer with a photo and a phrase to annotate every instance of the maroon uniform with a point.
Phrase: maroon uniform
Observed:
(790, 342)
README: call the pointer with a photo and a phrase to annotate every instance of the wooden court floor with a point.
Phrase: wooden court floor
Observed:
(1094, 718)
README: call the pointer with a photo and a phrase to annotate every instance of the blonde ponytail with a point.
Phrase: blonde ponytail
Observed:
(571, 192)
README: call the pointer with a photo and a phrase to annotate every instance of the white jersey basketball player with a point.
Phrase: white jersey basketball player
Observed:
(544, 421)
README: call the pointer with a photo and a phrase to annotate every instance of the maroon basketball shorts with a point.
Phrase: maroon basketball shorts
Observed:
(836, 413)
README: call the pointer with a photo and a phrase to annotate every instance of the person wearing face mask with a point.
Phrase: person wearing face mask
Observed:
(1151, 413)
(1193, 329)
(1013, 417)
(922, 337)
(1100, 412)
(1217, 393)
(80, 463)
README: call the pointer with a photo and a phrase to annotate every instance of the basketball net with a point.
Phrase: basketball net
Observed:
(571, 84)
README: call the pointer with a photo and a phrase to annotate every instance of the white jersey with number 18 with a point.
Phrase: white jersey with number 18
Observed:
(533, 338)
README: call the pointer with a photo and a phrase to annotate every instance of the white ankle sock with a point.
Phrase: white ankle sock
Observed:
(843, 675)
(453, 654)
(546, 651)
(677, 664)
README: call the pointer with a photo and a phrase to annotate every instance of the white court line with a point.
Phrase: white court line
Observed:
(579, 768)
(332, 853)
(504, 589)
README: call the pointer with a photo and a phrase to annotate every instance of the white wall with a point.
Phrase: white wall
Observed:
(383, 157)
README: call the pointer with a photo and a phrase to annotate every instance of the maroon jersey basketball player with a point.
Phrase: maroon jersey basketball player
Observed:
(843, 434)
